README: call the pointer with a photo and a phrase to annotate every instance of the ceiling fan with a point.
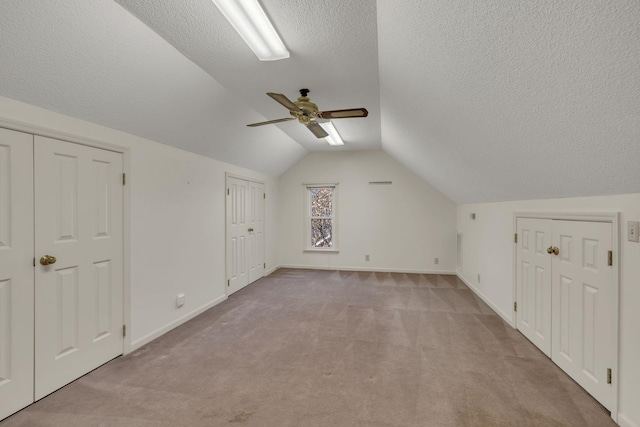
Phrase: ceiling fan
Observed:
(306, 112)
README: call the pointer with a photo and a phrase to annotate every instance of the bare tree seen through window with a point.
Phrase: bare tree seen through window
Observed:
(321, 217)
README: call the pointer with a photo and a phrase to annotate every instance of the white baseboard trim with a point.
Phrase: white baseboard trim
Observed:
(163, 330)
(486, 299)
(271, 270)
(373, 270)
(624, 421)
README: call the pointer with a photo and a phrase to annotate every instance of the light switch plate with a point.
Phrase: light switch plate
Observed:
(633, 231)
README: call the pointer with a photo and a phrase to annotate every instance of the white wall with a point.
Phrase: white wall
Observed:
(402, 226)
(177, 221)
(488, 250)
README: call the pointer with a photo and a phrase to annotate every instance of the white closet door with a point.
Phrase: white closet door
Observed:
(16, 271)
(582, 291)
(245, 233)
(79, 298)
(533, 316)
(256, 235)
(237, 232)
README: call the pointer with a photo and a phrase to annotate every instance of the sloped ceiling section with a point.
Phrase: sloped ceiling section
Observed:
(95, 61)
(507, 100)
(334, 53)
(487, 100)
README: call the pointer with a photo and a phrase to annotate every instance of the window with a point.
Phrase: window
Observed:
(321, 217)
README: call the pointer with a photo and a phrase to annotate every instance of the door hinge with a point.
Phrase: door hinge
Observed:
(610, 258)
(124, 330)
(228, 282)
(609, 376)
(264, 265)
(515, 238)
(515, 306)
(124, 179)
(264, 195)
(227, 191)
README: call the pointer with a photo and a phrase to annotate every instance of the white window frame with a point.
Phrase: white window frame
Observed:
(307, 218)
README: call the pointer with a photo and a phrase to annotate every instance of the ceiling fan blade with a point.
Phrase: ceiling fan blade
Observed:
(283, 100)
(317, 130)
(286, 119)
(343, 114)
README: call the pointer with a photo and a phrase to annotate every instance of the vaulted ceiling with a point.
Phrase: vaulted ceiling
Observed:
(486, 100)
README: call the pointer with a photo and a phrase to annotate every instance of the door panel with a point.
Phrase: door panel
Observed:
(237, 233)
(245, 233)
(582, 286)
(16, 271)
(78, 300)
(256, 223)
(533, 293)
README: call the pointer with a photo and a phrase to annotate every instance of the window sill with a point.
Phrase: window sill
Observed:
(328, 251)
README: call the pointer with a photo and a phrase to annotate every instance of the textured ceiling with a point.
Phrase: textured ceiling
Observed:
(509, 100)
(95, 61)
(486, 100)
(333, 46)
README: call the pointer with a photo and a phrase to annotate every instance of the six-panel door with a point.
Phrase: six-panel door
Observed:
(16, 271)
(256, 236)
(79, 298)
(565, 297)
(237, 231)
(245, 233)
(533, 293)
(582, 284)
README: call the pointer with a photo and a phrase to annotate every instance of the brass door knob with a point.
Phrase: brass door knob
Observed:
(251, 230)
(48, 260)
(555, 250)
(550, 250)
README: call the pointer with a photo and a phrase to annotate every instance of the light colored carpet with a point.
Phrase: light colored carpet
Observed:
(330, 348)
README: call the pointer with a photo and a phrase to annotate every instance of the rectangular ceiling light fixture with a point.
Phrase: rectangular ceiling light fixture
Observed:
(334, 137)
(250, 21)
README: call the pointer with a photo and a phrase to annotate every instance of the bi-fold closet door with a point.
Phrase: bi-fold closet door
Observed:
(245, 233)
(61, 264)
(564, 295)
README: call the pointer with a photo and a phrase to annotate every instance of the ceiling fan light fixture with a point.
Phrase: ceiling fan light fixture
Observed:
(334, 137)
(250, 21)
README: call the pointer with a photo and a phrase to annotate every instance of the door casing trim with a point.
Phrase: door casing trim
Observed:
(228, 175)
(607, 217)
(40, 130)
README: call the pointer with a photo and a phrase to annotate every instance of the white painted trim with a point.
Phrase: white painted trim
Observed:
(608, 217)
(366, 269)
(486, 299)
(48, 132)
(570, 216)
(271, 270)
(45, 131)
(166, 328)
(624, 421)
(228, 175)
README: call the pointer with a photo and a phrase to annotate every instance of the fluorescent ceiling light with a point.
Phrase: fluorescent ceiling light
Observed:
(334, 136)
(250, 21)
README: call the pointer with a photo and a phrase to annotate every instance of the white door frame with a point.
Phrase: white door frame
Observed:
(228, 175)
(612, 218)
(40, 130)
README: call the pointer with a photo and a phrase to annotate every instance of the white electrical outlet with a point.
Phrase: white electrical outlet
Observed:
(436, 260)
(367, 257)
(633, 232)
(180, 299)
